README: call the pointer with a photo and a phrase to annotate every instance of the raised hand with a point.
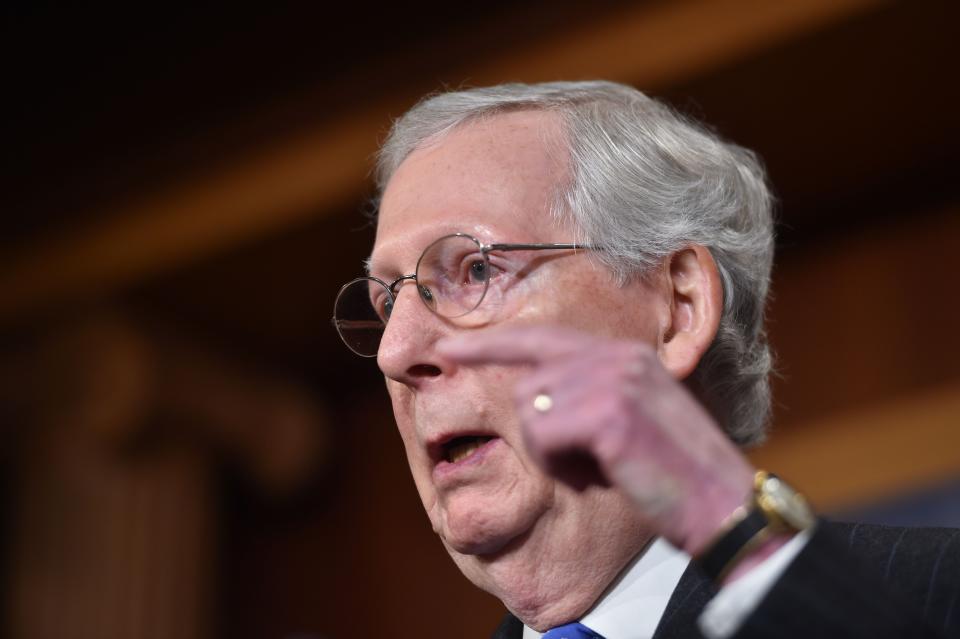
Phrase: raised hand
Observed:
(599, 409)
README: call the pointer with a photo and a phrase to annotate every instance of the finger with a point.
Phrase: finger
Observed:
(517, 345)
(574, 420)
(563, 441)
(590, 371)
(570, 418)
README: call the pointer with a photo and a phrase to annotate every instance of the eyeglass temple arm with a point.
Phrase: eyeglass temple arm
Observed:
(532, 247)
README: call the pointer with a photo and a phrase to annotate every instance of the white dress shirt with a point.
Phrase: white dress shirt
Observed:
(633, 605)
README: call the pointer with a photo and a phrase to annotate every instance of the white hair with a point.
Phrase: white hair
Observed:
(645, 183)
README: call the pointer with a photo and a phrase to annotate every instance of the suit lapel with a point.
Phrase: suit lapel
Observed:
(509, 628)
(679, 620)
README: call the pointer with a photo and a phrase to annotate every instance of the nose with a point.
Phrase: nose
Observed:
(407, 352)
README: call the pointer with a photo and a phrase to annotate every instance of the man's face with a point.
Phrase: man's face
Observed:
(494, 508)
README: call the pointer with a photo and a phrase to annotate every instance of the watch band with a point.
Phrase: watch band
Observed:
(725, 552)
(773, 507)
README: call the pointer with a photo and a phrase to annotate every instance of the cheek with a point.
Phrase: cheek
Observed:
(496, 385)
(588, 299)
(400, 400)
(405, 418)
(417, 462)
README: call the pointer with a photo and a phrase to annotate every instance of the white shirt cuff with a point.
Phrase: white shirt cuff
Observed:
(726, 612)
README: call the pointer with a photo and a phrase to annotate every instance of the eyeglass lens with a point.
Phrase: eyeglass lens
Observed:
(357, 317)
(452, 274)
(452, 277)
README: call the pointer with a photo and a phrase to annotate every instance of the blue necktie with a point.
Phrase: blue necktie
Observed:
(572, 631)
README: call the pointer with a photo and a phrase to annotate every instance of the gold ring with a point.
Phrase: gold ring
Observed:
(542, 403)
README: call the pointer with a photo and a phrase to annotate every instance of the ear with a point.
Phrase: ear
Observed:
(696, 304)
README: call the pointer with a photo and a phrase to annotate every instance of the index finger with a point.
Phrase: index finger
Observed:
(516, 345)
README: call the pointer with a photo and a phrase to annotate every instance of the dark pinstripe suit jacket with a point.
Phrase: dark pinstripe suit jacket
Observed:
(851, 580)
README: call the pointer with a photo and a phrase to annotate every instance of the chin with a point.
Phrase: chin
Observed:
(482, 524)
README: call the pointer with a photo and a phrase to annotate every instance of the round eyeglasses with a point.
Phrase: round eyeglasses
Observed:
(452, 278)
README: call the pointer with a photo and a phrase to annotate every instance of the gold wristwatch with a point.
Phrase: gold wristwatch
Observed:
(773, 508)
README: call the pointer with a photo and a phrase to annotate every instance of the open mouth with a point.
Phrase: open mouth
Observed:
(459, 448)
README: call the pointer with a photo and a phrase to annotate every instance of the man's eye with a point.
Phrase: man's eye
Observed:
(479, 272)
(383, 307)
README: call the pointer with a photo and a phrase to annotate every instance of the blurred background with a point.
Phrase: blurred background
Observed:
(188, 451)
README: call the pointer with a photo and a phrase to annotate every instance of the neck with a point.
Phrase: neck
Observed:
(552, 574)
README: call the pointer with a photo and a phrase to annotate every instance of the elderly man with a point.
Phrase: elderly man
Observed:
(566, 297)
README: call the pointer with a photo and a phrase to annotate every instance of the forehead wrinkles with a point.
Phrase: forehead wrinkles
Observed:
(502, 171)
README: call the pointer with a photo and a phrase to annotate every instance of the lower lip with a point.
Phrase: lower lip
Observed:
(445, 471)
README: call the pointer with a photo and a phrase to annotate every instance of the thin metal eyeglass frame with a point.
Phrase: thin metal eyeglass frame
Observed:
(484, 250)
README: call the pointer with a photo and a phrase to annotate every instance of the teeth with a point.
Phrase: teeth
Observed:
(464, 449)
